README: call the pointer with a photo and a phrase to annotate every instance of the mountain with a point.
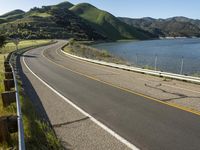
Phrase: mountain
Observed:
(65, 20)
(47, 22)
(171, 27)
(107, 24)
(13, 15)
(64, 5)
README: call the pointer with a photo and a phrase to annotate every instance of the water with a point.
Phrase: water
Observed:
(169, 54)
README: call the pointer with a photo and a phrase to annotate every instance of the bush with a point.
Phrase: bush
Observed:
(2, 41)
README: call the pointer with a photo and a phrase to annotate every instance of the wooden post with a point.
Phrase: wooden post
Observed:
(8, 97)
(8, 124)
(12, 124)
(7, 68)
(6, 63)
(8, 84)
(4, 132)
(8, 75)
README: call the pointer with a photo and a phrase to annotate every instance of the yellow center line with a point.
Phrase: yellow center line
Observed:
(125, 89)
(176, 87)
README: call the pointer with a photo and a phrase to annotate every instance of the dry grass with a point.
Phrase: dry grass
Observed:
(85, 51)
(9, 47)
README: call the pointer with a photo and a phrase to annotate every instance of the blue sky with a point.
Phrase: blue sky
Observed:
(125, 8)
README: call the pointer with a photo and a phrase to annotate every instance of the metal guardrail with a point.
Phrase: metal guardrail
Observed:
(21, 141)
(140, 70)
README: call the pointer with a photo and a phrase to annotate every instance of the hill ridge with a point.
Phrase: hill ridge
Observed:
(65, 20)
(178, 26)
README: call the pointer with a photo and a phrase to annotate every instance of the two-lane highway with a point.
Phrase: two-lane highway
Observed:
(145, 123)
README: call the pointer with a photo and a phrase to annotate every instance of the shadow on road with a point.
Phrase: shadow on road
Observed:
(32, 95)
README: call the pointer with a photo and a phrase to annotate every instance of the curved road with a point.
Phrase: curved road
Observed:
(145, 123)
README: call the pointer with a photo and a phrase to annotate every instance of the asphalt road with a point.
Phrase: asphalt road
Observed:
(145, 123)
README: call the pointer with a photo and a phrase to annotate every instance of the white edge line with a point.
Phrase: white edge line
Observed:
(118, 137)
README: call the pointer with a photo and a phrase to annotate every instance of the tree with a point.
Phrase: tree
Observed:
(2, 41)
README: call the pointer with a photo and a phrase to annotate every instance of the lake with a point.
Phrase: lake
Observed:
(170, 54)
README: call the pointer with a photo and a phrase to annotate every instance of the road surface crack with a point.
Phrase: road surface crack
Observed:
(180, 95)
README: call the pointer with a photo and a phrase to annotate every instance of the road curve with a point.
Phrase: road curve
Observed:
(146, 124)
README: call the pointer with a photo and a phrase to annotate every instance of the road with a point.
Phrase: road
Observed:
(145, 123)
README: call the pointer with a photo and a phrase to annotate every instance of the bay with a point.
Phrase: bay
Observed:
(169, 54)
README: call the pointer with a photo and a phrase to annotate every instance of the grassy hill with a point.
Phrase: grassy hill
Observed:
(65, 20)
(107, 24)
(49, 22)
(13, 15)
(176, 26)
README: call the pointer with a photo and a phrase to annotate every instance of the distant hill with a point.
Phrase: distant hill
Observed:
(171, 27)
(107, 24)
(48, 22)
(65, 20)
(13, 15)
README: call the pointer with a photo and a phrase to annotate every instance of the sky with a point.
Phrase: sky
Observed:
(120, 8)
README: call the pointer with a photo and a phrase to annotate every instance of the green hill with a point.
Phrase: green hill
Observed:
(49, 22)
(64, 20)
(13, 15)
(63, 5)
(107, 24)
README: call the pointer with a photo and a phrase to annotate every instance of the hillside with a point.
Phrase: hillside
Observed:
(13, 15)
(107, 24)
(48, 22)
(173, 27)
(65, 20)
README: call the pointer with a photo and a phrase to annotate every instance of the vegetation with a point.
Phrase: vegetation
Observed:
(197, 74)
(10, 46)
(10, 16)
(107, 24)
(82, 22)
(2, 41)
(149, 67)
(76, 48)
(38, 133)
(48, 22)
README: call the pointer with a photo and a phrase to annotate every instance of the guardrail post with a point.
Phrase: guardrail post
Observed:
(4, 132)
(7, 68)
(8, 75)
(8, 84)
(8, 124)
(12, 124)
(8, 97)
(6, 63)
